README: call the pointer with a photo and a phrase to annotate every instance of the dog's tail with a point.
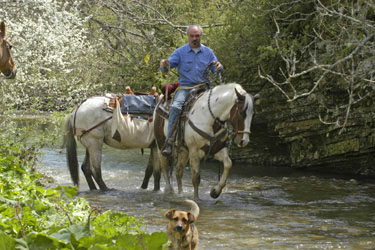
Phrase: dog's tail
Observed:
(194, 208)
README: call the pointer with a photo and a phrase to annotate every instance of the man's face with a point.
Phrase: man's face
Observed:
(194, 36)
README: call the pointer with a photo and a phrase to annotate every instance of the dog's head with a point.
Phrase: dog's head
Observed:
(179, 221)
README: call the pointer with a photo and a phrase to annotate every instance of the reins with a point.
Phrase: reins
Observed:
(225, 127)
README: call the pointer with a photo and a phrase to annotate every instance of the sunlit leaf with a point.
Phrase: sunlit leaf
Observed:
(146, 59)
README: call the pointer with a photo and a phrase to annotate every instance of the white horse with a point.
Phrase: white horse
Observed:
(93, 126)
(227, 105)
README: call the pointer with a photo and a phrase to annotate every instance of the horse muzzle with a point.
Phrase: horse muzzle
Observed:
(11, 74)
(243, 143)
(245, 139)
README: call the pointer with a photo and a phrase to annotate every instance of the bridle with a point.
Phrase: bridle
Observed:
(238, 111)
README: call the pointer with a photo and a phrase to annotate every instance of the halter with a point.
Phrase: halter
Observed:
(221, 123)
(239, 112)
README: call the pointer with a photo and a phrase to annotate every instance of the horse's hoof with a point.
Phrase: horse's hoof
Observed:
(144, 186)
(214, 194)
(168, 190)
(197, 199)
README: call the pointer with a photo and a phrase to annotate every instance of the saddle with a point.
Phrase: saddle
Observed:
(162, 112)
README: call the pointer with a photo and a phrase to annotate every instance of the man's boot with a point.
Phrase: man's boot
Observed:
(172, 126)
(168, 147)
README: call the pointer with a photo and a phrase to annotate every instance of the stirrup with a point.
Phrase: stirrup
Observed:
(167, 149)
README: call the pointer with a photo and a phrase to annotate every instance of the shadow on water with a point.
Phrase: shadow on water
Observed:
(260, 208)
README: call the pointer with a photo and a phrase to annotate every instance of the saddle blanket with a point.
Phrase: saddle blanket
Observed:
(138, 104)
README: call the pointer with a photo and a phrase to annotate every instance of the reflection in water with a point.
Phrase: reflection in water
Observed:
(261, 208)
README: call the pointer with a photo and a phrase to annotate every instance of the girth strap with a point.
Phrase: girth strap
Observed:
(214, 140)
(94, 127)
(200, 132)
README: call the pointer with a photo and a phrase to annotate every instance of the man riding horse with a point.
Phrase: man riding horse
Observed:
(191, 60)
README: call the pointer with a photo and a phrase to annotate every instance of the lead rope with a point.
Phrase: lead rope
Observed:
(219, 172)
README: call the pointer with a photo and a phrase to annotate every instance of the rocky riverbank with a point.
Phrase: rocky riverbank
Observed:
(291, 134)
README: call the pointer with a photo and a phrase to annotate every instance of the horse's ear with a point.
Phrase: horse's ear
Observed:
(241, 98)
(256, 96)
(3, 29)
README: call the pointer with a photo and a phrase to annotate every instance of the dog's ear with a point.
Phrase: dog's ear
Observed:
(170, 213)
(191, 218)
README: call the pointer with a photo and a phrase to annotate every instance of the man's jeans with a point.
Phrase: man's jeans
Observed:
(176, 107)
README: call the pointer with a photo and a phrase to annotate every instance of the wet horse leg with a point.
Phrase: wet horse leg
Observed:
(156, 167)
(153, 168)
(195, 171)
(222, 156)
(183, 157)
(148, 172)
(94, 143)
(164, 166)
(87, 171)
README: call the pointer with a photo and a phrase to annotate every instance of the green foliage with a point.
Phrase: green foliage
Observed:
(69, 50)
(35, 217)
(52, 54)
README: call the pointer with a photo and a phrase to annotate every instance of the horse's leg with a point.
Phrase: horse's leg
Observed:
(183, 157)
(222, 156)
(156, 167)
(148, 172)
(87, 171)
(195, 171)
(164, 166)
(94, 143)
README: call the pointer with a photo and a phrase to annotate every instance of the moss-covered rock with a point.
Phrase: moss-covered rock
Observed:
(291, 134)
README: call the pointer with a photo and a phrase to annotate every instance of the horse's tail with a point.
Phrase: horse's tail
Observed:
(71, 151)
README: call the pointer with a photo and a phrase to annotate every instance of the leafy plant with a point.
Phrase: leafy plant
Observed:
(35, 217)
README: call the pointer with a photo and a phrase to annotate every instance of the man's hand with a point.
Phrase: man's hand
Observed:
(218, 66)
(164, 63)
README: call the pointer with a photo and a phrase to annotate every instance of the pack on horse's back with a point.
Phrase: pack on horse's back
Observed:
(99, 120)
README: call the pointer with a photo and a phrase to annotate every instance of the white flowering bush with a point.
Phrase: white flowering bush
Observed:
(53, 54)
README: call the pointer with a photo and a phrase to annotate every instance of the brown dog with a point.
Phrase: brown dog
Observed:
(182, 232)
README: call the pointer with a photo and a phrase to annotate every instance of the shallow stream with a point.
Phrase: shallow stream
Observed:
(260, 208)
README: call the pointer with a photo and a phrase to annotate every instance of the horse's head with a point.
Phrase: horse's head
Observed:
(7, 65)
(241, 116)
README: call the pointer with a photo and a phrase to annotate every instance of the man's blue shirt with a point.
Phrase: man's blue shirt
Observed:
(191, 64)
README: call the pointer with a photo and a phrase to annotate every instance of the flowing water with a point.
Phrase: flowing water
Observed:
(260, 208)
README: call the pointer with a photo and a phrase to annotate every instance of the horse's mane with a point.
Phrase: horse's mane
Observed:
(233, 85)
